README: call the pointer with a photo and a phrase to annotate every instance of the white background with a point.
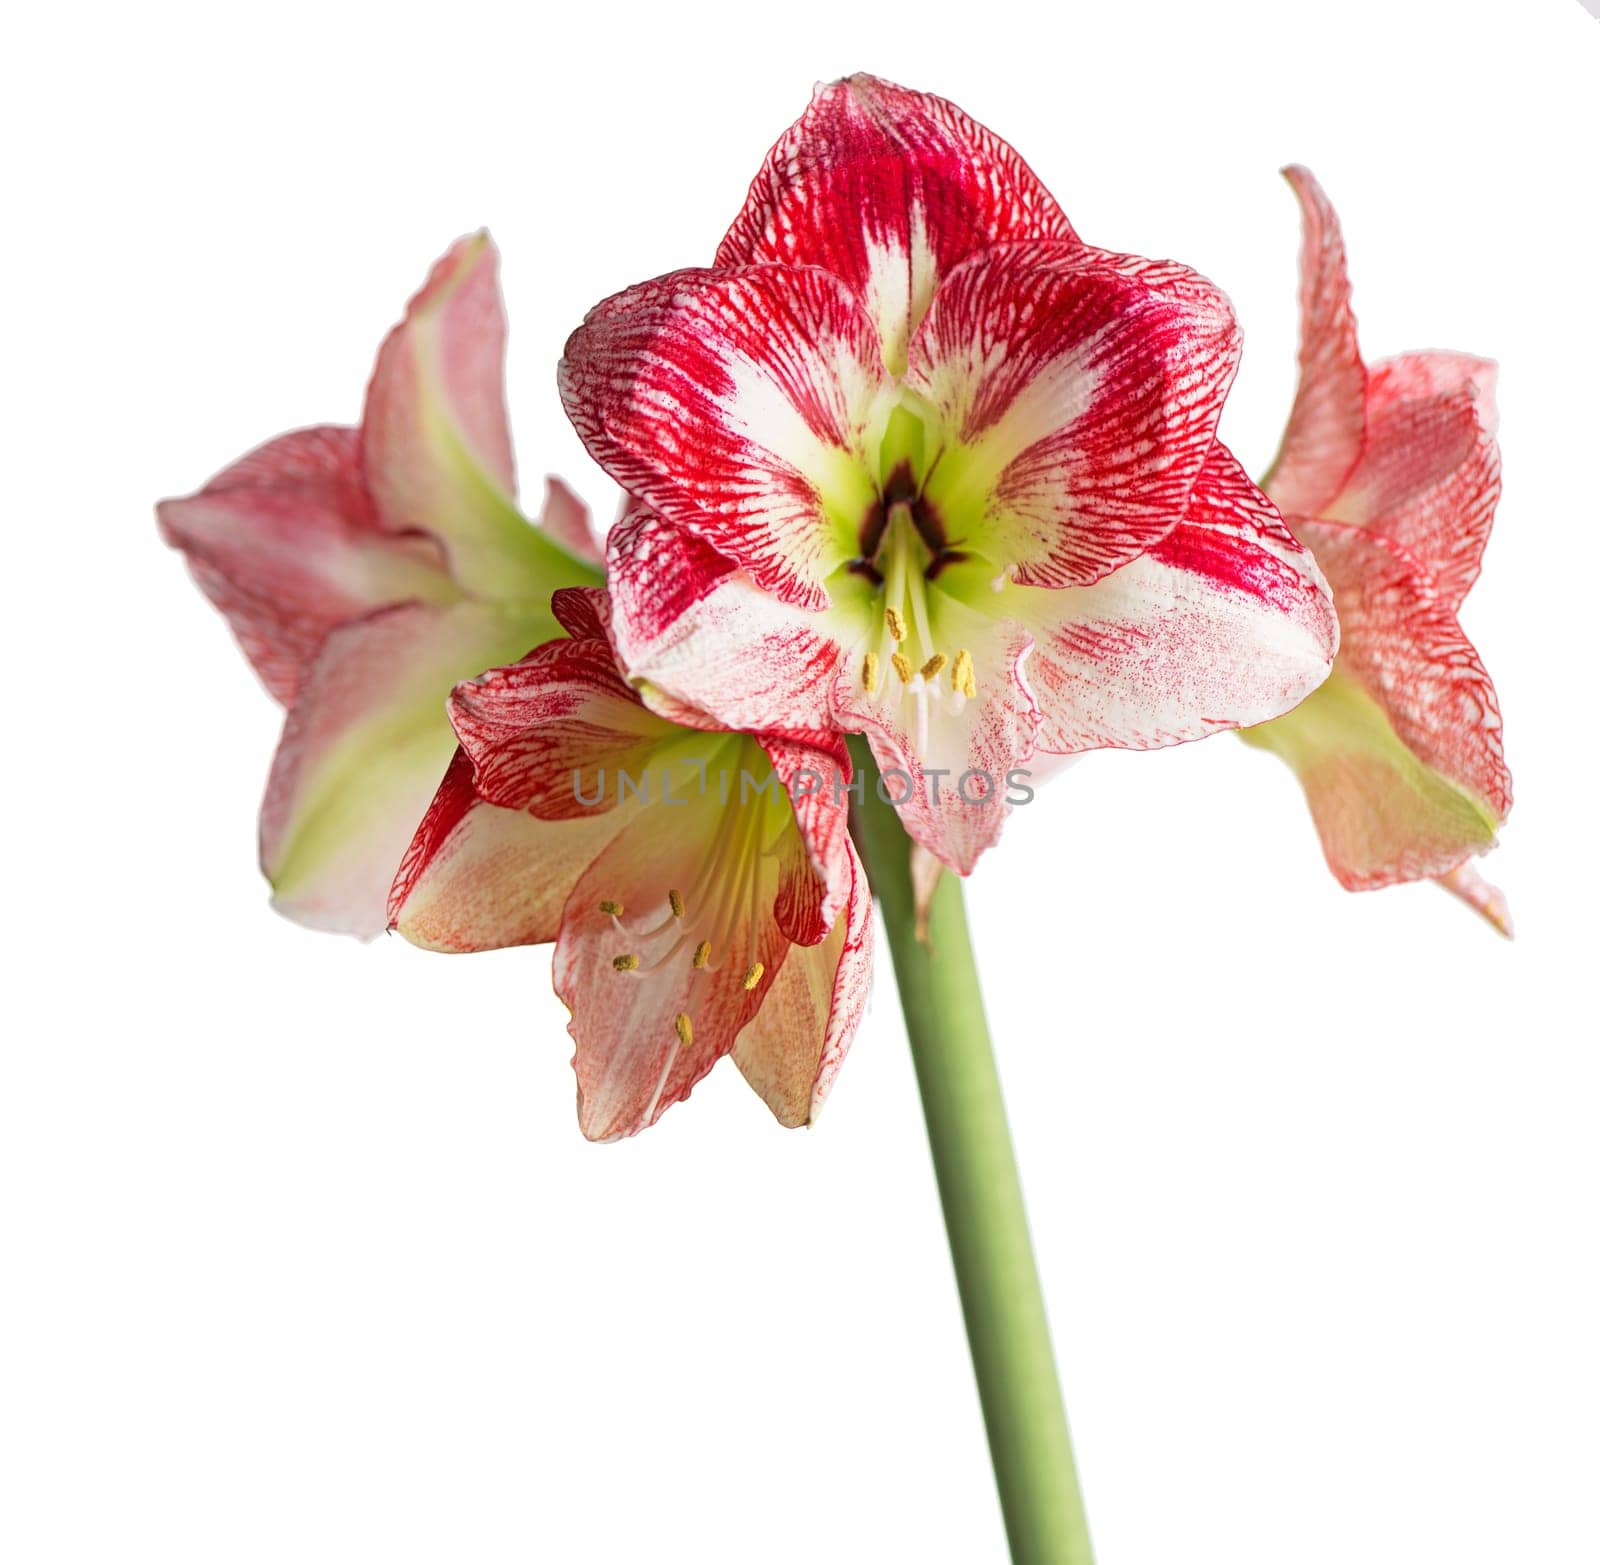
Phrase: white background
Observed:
(303, 1256)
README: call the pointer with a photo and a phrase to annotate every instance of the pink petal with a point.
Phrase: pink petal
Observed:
(735, 405)
(815, 876)
(1080, 394)
(566, 521)
(435, 441)
(889, 190)
(363, 749)
(1227, 622)
(477, 877)
(1486, 900)
(1400, 753)
(632, 1061)
(1326, 425)
(792, 1050)
(1429, 475)
(695, 632)
(286, 544)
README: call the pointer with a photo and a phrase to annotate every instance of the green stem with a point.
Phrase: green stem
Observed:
(981, 1195)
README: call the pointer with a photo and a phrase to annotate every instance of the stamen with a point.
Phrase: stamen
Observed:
(753, 977)
(962, 679)
(869, 673)
(685, 1029)
(611, 909)
(626, 963)
(702, 953)
(902, 666)
(675, 902)
(931, 669)
(897, 626)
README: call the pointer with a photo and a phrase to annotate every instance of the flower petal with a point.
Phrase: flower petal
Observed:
(1079, 393)
(1400, 751)
(889, 190)
(792, 1050)
(735, 404)
(1226, 622)
(1429, 475)
(435, 441)
(815, 875)
(1324, 435)
(695, 633)
(477, 877)
(1486, 900)
(565, 520)
(635, 1057)
(363, 749)
(286, 544)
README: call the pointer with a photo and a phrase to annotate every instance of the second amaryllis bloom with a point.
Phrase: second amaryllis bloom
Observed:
(1391, 473)
(701, 886)
(913, 461)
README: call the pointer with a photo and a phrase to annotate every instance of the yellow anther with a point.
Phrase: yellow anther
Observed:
(610, 908)
(869, 673)
(961, 679)
(675, 902)
(685, 1029)
(897, 626)
(969, 686)
(932, 668)
(753, 977)
(902, 666)
(702, 953)
(625, 963)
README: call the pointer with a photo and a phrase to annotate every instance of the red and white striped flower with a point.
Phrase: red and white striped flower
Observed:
(1390, 474)
(912, 460)
(365, 571)
(700, 886)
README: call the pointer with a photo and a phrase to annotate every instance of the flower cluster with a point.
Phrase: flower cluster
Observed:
(908, 460)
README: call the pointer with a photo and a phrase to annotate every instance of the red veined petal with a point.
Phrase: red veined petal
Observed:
(549, 732)
(1400, 753)
(815, 876)
(477, 877)
(889, 190)
(1226, 622)
(1326, 425)
(435, 441)
(735, 404)
(793, 1048)
(1079, 394)
(286, 544)
(1429, 474)
(695, 633)
(363, 750)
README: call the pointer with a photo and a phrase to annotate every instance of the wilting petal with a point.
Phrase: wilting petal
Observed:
(555, 729)
(1079, 394)
(477, 877)
(285, 542)
(1486, 900)
(435, 441)
(1226, 622)
(888, 190)
(794, 1047)
(365, 746)
(647, 1033)
(736, 405)
(1429, 476)
(1324, 435)
(1400, 751)
(695, 633)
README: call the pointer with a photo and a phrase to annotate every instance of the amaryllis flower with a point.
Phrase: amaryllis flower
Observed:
(365, 571)
(700, 886)
(912, 460)
(1390, 473)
